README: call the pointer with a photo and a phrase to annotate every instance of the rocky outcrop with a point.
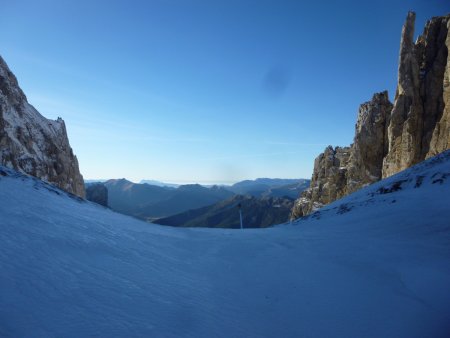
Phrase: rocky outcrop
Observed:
(390, 138)
(441, 134)
(32, 144)
(419, 120)
(97, 193)
(329, 176)
(370, 143)
(340, 171)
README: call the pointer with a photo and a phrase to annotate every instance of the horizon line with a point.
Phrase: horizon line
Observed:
(186, 182)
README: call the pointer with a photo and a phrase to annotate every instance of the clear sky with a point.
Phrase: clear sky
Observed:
(205, 91)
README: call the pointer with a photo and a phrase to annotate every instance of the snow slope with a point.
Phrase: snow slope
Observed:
(374, 264)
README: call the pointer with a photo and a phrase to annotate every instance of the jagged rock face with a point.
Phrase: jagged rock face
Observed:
(328, 182)
(32, 144)
(390, 138)
(440, 139)
(370, 143)
(419, 121)
(330, 175)
(97, 193)
(340, 171)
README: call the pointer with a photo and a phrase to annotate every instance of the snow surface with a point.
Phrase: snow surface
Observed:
(374, 264)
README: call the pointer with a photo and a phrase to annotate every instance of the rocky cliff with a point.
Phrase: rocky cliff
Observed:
(419, 126)
(32, 144)
(392, 137)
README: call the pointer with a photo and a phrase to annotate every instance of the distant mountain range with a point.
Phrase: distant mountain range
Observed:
(159, 183)
(256, 213)
(151, 202)
(86, 182)
(270, 187)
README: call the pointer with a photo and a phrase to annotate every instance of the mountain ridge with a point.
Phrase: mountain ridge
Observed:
(257, 212)
(150, 202)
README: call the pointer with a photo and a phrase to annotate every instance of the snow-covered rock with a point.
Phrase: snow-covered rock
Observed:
(373, 264)
(33, 144)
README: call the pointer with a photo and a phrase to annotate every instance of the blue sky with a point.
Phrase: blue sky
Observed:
(205, 91)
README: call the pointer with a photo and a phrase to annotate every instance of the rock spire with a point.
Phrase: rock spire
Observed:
(392, 137)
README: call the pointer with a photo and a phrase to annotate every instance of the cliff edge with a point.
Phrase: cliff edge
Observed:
(32, 144)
